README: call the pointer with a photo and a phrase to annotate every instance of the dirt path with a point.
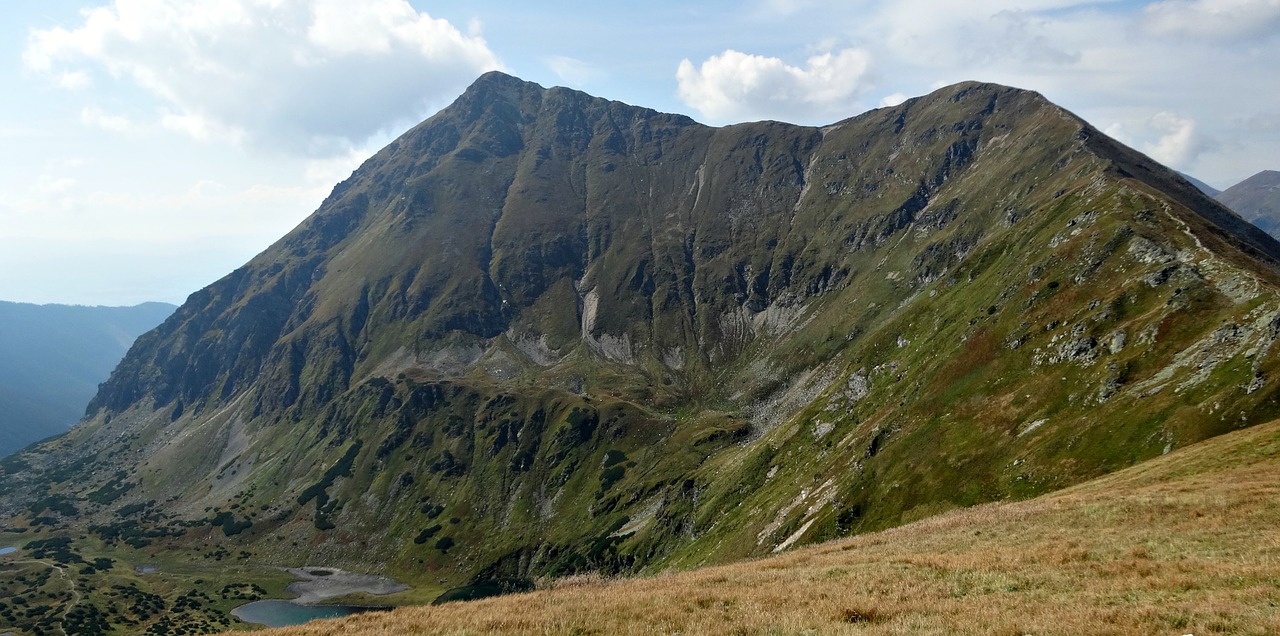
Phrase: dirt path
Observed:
(75, 590)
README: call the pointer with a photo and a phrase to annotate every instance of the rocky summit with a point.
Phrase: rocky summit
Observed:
(544, 333)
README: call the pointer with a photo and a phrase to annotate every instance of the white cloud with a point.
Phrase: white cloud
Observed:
(73, 80)
(309, 77)
(735, 86)
(95, 117)
(1214, 19)
(21, 132)
(1179, 141)
(574, 72)
(200, 127)
(893, 99)
(1172, 139)
(53, 186)
(1118, 132)
(329, 171)
(57, 207)
(986, 34)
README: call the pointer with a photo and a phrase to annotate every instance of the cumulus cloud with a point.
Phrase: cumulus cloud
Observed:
(1179, 141)
(735, 86)
(312, 77)
(1214, 19)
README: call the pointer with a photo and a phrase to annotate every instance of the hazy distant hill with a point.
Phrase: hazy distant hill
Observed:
(1257, 199)
(1204, 187)
(52, 358)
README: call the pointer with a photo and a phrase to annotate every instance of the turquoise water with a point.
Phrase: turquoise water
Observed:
(8, 550)
(279, 613)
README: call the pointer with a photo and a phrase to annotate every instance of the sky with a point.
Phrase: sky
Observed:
(150, 147)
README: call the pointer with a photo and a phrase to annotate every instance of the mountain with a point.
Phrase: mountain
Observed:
(544, 333)
(1204, 187)
(52, 358)
(1167, 547)
(1257, 199)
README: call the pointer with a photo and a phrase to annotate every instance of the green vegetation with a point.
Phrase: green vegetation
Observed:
(427, 534)
(319, 492)
(53, 588)
(547, 335)
(1181, 544)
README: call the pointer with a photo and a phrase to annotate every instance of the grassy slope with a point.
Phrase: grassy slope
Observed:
(1185, 543)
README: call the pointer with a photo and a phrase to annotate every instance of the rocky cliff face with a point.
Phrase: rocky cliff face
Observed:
(543, 333)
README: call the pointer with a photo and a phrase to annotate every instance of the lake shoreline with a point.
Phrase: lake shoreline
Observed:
(315, 585)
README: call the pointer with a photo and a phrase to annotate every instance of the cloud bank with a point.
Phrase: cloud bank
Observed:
(735, 86)
(306, 77)
(1214, 20)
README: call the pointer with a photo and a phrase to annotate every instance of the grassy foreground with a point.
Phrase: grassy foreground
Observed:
(1188, 543)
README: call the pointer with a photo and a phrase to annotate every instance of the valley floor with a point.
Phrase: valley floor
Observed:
(1188, 543)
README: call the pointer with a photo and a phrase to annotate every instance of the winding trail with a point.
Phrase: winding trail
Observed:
(75, 590)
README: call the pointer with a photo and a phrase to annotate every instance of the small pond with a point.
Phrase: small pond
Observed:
(8, 550)
(281, 613)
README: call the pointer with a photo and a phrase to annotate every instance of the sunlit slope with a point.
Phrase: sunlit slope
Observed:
(1185, 543)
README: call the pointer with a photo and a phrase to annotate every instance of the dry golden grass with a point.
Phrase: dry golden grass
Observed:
(1185, 544)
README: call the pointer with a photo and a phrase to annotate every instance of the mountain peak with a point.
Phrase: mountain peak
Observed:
(1256, 199)
(1270, 177)
(498, 80)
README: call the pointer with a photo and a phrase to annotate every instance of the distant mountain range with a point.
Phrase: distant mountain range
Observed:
(52, 358)
(1257, 199)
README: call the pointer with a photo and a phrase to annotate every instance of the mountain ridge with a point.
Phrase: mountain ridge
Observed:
(510, 88)
(602, 338)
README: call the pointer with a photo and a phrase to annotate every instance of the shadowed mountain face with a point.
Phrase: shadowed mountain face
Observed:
(543, 333)
(52, 358)
(1257, 199)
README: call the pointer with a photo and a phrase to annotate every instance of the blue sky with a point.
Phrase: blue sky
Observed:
(152, 146)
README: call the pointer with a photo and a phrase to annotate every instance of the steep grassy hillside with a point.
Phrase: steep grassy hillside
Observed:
(544, 334)
(1187, 543)
(52, 358)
